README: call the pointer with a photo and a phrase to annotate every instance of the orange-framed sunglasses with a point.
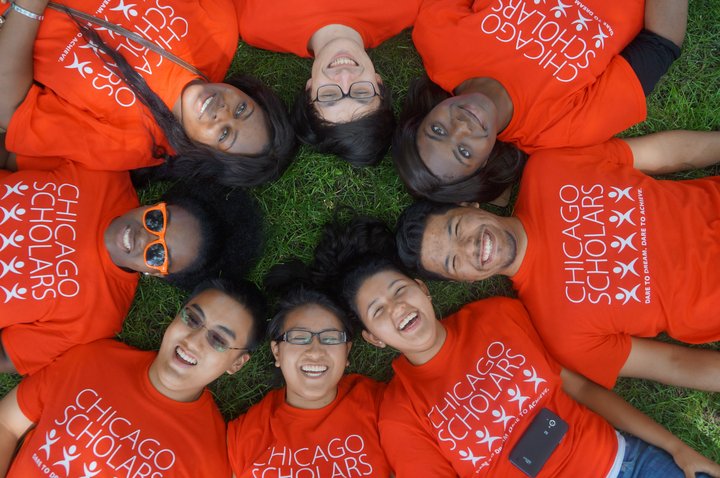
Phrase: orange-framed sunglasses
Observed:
(156, 252)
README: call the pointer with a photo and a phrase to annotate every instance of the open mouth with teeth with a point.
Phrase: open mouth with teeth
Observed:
(313, 371)
(342, 61)
(408, 322)
(207, 103)
(126, 240)
(183, 357)
(487, 243)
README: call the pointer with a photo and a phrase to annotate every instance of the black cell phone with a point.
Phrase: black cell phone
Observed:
(538, 442)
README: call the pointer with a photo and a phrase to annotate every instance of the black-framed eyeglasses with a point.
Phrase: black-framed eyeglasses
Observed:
(360, 90)
(214, 338)
(304, 337)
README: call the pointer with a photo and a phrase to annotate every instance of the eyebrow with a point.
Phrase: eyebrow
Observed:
(200, 312)
(375, 300)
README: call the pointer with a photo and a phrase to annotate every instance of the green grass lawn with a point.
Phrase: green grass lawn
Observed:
(305, 198)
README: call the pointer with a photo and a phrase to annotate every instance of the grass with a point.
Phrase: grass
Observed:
(299, 203)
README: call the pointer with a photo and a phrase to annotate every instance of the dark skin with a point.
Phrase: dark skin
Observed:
(6, 366)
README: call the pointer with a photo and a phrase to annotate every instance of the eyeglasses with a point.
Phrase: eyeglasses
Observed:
(360, 90)
(304, 337)
(155, 222)
(215, 339)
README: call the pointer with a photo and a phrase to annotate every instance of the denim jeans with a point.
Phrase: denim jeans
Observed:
(643, 460)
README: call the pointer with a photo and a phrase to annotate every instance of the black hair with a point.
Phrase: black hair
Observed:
(503, 168)
(301, 296)
(246, 294)
(347, 254)
(194, 159)
(364, 141)
(409, 234)
(293, 282)
(231, 229)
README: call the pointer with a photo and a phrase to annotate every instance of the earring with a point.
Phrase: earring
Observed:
(146, 273)
(277, 364)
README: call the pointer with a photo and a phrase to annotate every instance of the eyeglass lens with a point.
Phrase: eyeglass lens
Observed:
(304, 337)
(192, 320)
(154, 220)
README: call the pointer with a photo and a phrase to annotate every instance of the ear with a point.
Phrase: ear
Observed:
(238, 363)
(275, 349)
(372, 340)
(423, 288)
(475, 205)
(308, 83)
(378, 78)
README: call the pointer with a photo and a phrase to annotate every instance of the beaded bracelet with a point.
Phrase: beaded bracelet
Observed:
(26, 13)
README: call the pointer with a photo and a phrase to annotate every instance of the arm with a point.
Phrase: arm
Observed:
(17, 37)
(624, 416)
(672, 151)
(6, 365)
(672, 364)
(13, 425)
(667, 18)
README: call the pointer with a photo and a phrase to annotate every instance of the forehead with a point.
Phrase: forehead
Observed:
(347, 109)
(438, 236)
(376, 286)
(311, 316)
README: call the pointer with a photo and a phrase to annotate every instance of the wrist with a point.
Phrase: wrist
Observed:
(33, 9)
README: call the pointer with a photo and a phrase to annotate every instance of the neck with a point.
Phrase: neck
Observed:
(328, 33)
(298, 401)
(521, 240)
(423, 357)
(494, 90)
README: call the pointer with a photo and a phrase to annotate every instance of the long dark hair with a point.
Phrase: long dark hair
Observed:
(196, 160)
(502, 169)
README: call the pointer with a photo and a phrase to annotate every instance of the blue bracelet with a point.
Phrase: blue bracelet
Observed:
(26, 13)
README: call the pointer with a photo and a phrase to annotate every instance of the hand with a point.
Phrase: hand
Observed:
(692, 462)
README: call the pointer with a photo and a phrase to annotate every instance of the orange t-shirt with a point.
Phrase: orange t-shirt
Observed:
(97, 414)
(82, 111)
(559, 63)
(341, 439)
(287, 25)
(58, 285)
(613, 253)
(462, 412)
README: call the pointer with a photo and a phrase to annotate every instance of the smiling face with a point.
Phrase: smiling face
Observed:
(223, 117)
(126, 237)
(343, 62)
(311, 371)
(471, 244)
(397, 311)
(186, 361)
(455, 139)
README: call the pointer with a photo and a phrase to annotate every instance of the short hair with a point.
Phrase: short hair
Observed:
(231, 231)
(409, 233)
(247, 295)
(364, 141)
(503, 168)
(302, 296)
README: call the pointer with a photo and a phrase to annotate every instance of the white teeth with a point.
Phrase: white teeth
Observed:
(185, 356)
(126, 240)
(342, 61)
(206, 104)
(407, 320)
(314, 369)
(487, 248)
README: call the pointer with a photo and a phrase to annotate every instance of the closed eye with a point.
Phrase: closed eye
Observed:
(377, 312)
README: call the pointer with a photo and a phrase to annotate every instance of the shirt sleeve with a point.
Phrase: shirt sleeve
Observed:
(22, 345)
(47, 125)
(410, 450)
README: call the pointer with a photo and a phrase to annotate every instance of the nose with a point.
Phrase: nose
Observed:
(461, 123)
(315, 347)
(222, 112)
